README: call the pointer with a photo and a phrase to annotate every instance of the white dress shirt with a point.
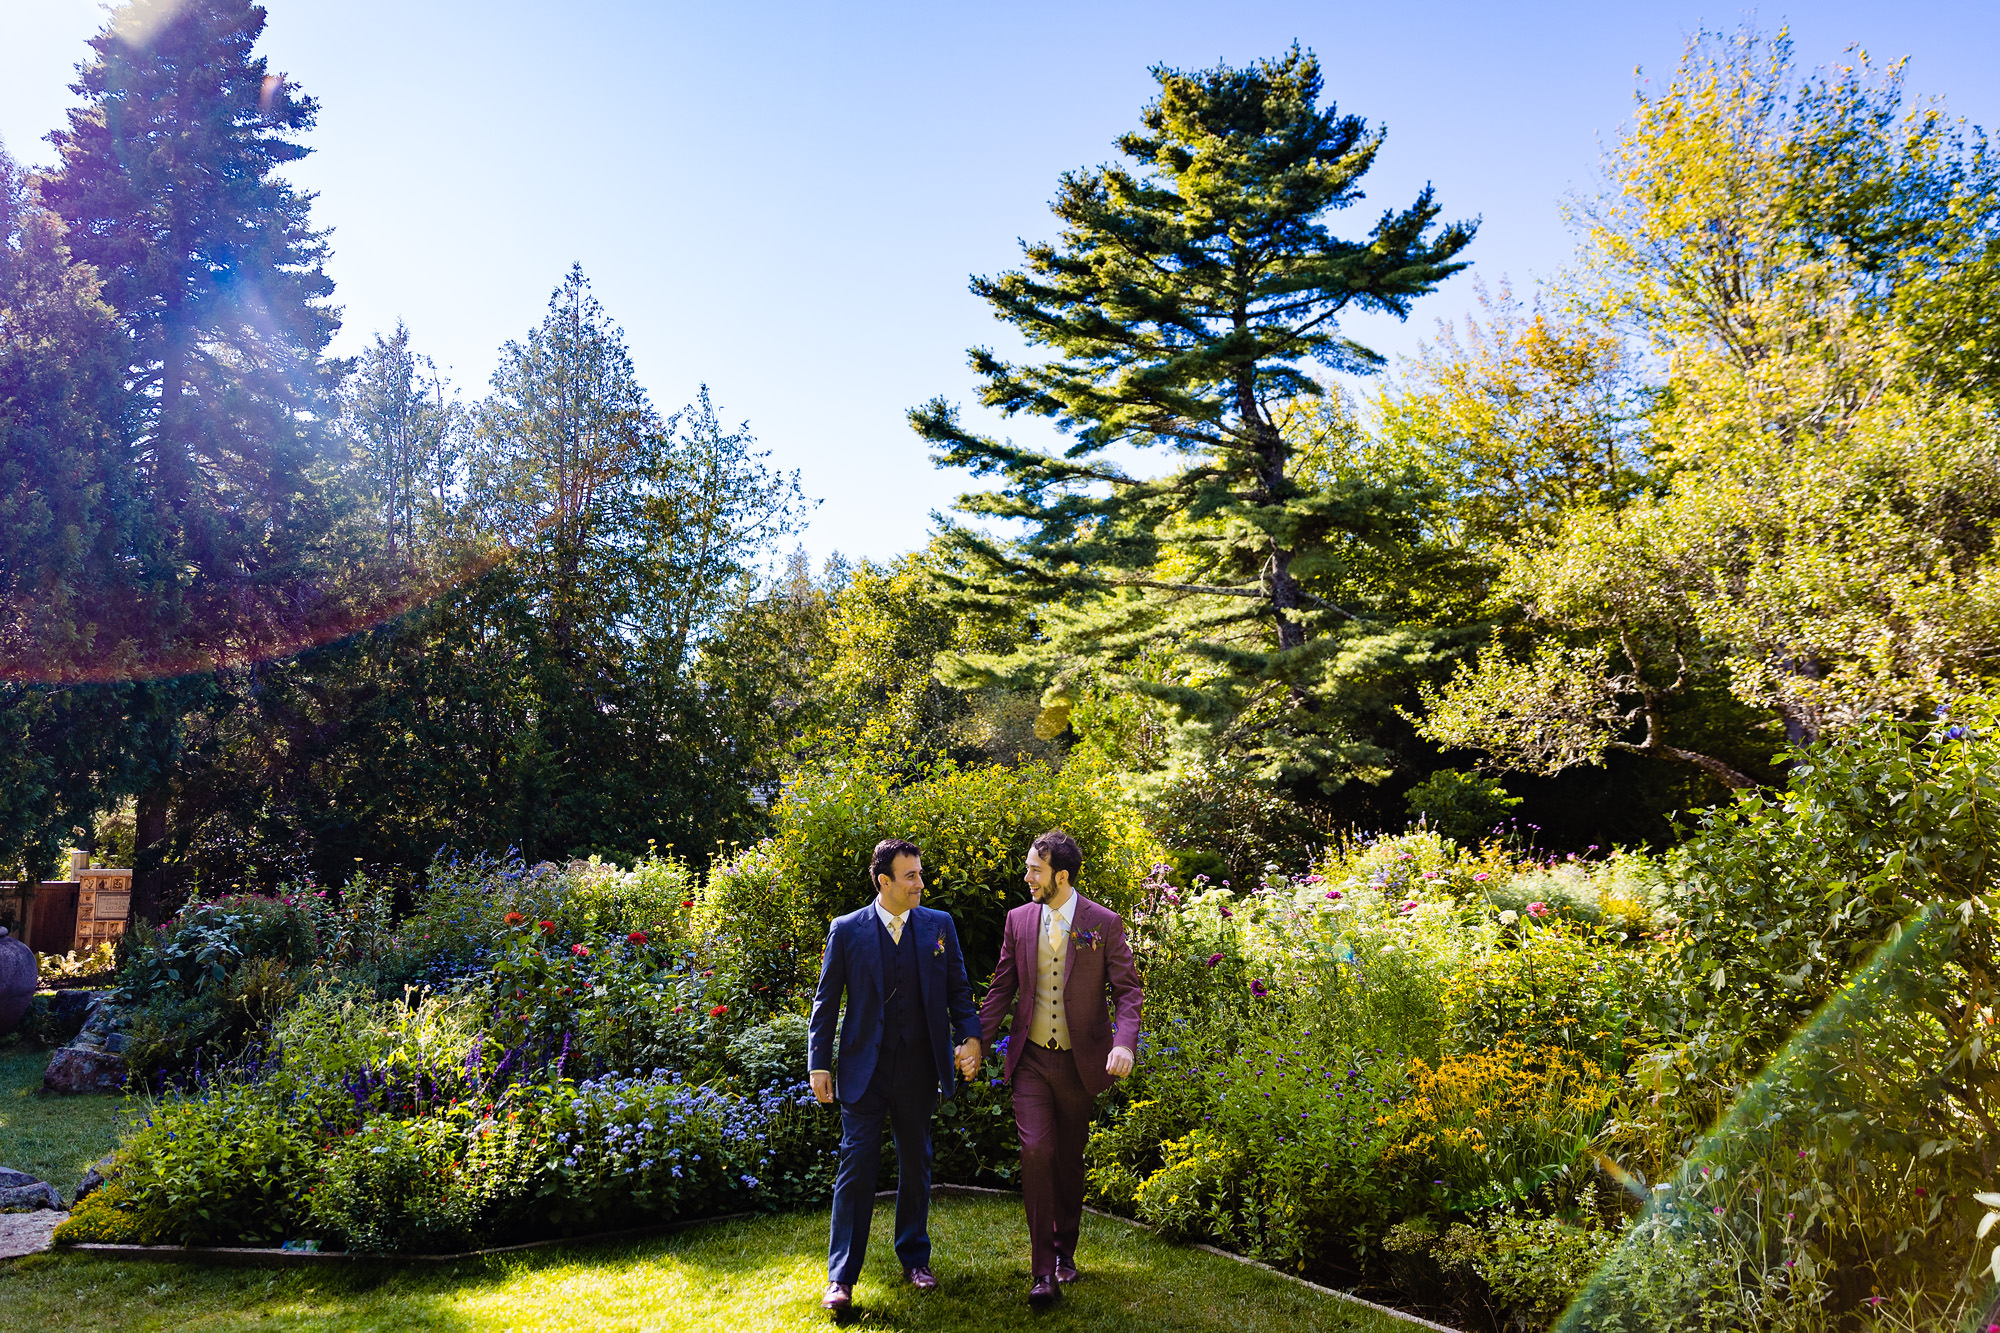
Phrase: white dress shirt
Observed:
(890, 922)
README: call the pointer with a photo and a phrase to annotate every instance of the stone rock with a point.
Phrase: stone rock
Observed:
(40, 1194)
(77, 1006)
(92, 1178)
(12, 1179)
(84, 1069)
(19, 977)
(27, 1233)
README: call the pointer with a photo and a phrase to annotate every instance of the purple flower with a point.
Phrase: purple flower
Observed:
(1333, 895)
(1258, 989)
(1214, 958)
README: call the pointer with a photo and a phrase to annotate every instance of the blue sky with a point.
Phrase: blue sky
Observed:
(784, 201)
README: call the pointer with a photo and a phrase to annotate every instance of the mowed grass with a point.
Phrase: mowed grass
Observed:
(52, 1138)
(752, 1275)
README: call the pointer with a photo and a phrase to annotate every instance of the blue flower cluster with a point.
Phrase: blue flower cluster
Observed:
(658, 1145)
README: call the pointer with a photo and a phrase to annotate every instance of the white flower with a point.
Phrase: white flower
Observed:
(1509, 917)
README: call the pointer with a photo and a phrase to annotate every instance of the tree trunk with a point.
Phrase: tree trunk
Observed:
(148, 874)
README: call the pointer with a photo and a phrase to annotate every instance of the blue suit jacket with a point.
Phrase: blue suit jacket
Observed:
(853, 965)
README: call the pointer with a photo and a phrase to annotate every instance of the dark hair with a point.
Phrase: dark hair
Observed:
(1061, 852)
(884, 860)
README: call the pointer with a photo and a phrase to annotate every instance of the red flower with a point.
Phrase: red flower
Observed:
(718, 1011)
(549, 927)
(579, 950)
(515, 918)
(637, 937)
(687, 902)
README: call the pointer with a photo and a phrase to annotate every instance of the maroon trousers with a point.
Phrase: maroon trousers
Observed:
(1052, 1112)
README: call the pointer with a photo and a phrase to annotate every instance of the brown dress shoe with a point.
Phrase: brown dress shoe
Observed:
(839, 1297)
(921, 1277)
(1043, 1290)
(1066, 1272)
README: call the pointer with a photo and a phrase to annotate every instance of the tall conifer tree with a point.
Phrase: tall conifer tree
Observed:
(169, 189)
(1186, 296)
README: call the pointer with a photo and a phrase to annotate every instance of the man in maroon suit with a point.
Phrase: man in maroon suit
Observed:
(1060, 955)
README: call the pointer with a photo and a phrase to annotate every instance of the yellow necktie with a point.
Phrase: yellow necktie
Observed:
(1055, 934)
(895, 930)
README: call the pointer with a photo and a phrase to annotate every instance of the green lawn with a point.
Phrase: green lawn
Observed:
(51, 1138)
(747, 1276)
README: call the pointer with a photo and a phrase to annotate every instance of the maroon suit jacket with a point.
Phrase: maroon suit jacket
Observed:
(1099, 959)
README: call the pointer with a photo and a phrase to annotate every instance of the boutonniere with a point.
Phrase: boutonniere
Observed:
(938, 951)
(1090, 939)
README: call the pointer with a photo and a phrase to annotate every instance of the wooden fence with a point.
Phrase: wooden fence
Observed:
(61, 915)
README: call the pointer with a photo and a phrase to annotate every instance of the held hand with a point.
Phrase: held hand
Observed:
(822, 1085)
(1119, 1063)
(968, 1058)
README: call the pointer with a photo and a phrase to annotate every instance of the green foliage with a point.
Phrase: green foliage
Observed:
(771, 1055)
(1464, 807)
(1881, 838)
(973, 826)
(1559, 986)
(974, 1141)
(626, 1005)
(1221, 824)
(1534, 1266)
(1290, 1165)
(224, 1168)
(423, 1186)
(206, 986)
(1813, 543)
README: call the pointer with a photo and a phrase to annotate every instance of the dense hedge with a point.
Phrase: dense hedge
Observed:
(974, 826)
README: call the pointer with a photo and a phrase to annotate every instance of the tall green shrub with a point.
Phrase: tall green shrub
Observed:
(974, 826)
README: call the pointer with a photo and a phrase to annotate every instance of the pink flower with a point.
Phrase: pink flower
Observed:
(1408, 907)
(579, 950)
(1538, 909)
(1479, 878)
(1333, 895)
(1226, 913)
(1214, 958)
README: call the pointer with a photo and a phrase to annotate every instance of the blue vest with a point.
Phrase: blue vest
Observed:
(905, 1027)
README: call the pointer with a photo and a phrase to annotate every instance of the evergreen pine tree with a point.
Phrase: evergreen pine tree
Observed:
(167, 185)
(1186, 297)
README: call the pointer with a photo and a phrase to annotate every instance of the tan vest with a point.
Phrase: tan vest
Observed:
(1051, 1025)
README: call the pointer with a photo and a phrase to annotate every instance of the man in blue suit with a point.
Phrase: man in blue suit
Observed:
(910, 1018)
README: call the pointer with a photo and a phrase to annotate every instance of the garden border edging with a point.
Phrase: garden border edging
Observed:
(249, 1256)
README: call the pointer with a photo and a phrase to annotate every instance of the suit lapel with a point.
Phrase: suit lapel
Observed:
(1076, 927)
(868, 951)
(1024, 951)
(925, 939)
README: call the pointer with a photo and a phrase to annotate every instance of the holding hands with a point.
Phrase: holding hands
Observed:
(967, 1058)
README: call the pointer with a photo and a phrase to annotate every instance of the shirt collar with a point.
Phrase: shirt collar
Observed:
(888, 918)
(1066, 913)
